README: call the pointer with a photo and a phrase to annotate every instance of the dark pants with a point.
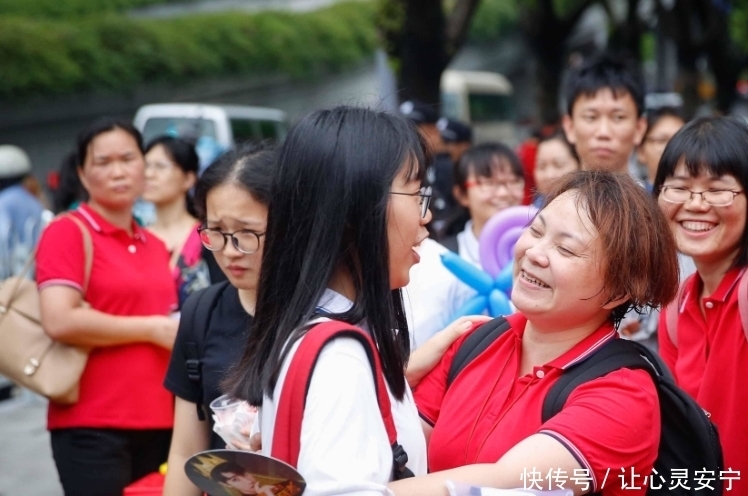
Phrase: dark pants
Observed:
(101, 462)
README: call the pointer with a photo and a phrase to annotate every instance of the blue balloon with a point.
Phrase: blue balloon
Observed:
(505, 279)
(474, 306)
(467, 272)
(498, 303)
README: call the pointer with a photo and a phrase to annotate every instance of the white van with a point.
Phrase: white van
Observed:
(214, 127)
(483, 100)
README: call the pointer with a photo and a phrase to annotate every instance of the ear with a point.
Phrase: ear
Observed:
(568, 125)
(82, 177)
(641, 128)
(189, 181)
(460, 195)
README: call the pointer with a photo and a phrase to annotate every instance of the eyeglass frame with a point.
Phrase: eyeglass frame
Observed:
(701, 193)
(486, 185)
(234, 241)
(426, 193)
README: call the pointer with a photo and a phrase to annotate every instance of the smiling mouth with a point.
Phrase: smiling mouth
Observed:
(697, 226)
(536, 282)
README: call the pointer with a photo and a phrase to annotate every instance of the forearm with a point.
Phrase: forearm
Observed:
(177, 483)
(433, 484)
(190, 436)
(91, 328)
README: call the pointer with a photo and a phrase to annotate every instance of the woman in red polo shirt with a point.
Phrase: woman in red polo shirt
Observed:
(119, 430)
(701, 186)
(570, 293)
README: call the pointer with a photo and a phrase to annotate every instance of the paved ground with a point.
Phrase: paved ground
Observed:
(26, 465)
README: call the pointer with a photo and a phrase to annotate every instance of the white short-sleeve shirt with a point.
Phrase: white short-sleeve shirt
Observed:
(344, 444)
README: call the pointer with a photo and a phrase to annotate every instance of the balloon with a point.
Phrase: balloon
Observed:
(495, 229)
(505, 246)
(467, 272)
(499, 303)
(505, 278)
(474, 306)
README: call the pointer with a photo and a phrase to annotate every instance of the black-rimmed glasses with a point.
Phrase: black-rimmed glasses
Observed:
(245, 240)
(425, 200)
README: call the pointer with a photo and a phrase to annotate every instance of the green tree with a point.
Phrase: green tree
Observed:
(546, 25)
(421, 37)
(715, 29)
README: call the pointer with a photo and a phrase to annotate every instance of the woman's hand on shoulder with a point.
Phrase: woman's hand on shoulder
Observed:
(426, 357)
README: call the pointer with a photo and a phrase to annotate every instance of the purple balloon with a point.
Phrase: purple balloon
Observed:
(495, 228)
(505, 245)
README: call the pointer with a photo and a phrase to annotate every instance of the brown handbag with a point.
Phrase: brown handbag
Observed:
(28, 356)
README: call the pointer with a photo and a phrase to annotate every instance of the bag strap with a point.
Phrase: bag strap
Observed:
(87, 250)
(673, 310)
(196, 315)
(615, 355)
(475, 344)
(287, 439)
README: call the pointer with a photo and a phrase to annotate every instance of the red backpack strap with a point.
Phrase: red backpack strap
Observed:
(673, 310)
(743, 301)
(288, 417)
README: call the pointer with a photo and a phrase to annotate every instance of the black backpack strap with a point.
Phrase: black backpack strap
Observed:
(615, 355)
(197, 314)
(450, 243)
(475, 344)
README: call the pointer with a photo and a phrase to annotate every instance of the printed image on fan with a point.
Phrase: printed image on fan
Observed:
(240, 473)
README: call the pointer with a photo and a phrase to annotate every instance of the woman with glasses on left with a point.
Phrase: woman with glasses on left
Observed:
(232, 199)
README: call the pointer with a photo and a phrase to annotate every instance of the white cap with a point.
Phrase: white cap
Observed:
(13, 162)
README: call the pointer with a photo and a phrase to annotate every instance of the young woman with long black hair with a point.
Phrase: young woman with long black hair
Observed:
(346, 215)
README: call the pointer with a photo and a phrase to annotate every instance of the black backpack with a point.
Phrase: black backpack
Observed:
(689, 440)
(196, 313)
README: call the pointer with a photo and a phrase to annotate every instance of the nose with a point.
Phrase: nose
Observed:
(118, 169)
(229, 250)
(603, 129)
(536, 254)
(696, 202)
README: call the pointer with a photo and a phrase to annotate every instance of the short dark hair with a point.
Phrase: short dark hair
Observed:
(560, 135)
(605, 71)
(635, 236)
(226, 468)
(101, 126)
(655, 115)
(483, 159)
(328, 212)
(179, 150)
(248, 165)
(69, 189)
(183, 154)
(716, 145)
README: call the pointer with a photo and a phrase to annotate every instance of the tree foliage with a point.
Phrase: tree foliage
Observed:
(55, 9)
(113, 52)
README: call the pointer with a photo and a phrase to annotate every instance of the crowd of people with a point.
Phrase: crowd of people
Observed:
(640, 234)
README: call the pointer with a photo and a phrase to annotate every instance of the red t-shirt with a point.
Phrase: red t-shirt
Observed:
(608, 424)
(708, 362)
(121, 386)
